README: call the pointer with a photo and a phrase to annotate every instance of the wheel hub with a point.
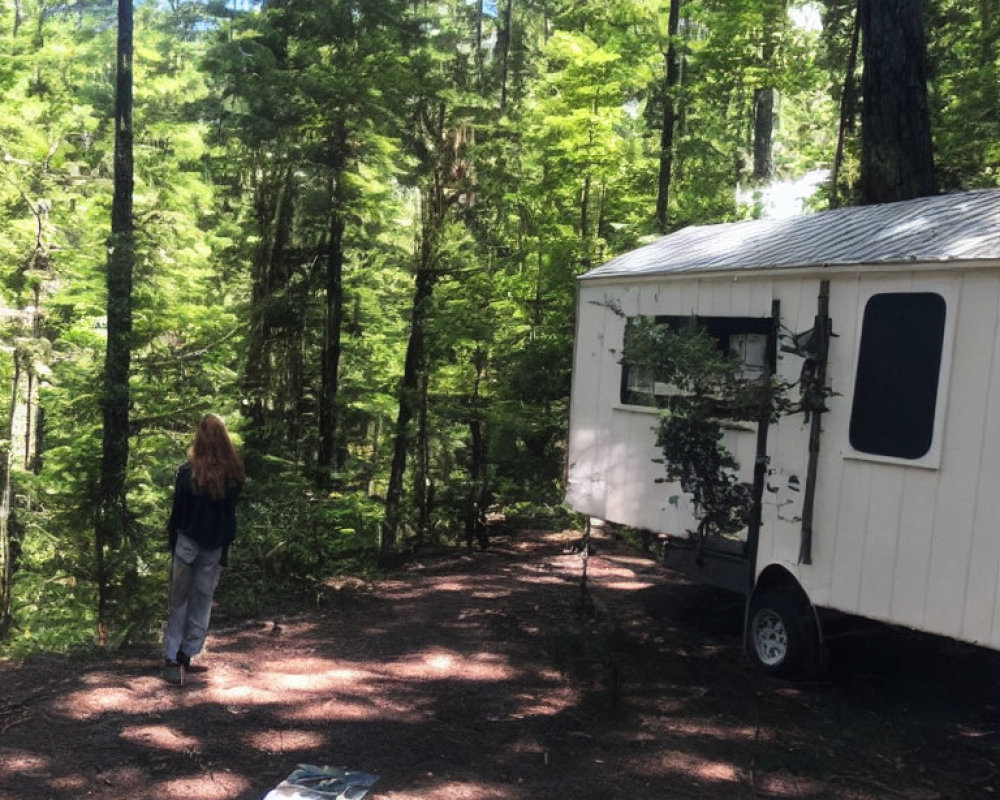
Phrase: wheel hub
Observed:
(770, 637)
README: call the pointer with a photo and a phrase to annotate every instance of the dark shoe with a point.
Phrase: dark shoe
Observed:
(185, 661)
(173, 672)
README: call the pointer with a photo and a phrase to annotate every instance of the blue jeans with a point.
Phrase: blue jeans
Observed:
(194, 574)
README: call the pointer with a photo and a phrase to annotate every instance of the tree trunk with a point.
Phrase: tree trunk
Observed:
(273, 207)
(421, 474)
(847, 105)
(478, 498)
(988, 35)
(6, 551)
(897, 160)
(111, 518)
(504, 44)
(329, 417)
(671, 83)
(763, 134)
(764, 97)
(479, 60)
(409, 398)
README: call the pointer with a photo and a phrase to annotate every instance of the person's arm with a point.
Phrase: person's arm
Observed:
(173, 524)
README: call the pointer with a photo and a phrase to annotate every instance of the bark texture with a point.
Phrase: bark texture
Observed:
(897, 160)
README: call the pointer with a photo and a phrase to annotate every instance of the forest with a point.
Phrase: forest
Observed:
(352, 228)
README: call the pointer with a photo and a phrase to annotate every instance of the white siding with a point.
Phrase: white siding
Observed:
(916, 545)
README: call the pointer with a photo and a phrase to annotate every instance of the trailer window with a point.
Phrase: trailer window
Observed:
(899, 363)
(745, 338)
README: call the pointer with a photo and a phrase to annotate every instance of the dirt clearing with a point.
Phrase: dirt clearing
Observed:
(475, 677)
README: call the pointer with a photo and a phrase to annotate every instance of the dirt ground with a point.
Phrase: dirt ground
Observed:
(476, 677)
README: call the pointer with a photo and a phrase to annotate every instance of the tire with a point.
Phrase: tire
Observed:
(781, 632)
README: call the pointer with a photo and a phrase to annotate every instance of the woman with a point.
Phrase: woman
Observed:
(202, 526)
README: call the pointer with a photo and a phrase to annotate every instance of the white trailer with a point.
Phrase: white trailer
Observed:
(887, 505)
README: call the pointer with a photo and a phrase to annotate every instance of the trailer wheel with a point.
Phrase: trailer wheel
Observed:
(780, 632)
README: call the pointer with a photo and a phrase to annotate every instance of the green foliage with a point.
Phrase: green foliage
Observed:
(291, 540)
(508, 164)
(709, 391)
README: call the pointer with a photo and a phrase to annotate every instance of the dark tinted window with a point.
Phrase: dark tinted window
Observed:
(899, 362)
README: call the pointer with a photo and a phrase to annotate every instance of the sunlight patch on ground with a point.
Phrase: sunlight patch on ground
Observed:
(22, 761)
(782, 784)
(458, 790)
(342, 710)
(70, 783)
(88, 703)
(286, 676)
(556, 701)
(433, 663)
(627, 586)
(209, 786)
(692, 766)
(542, 579)
(160, 737)
(494, 594)
(244, 694)
(451, 586)
(716, 731)
(286, 741)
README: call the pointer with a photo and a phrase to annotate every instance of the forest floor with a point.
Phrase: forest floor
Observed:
(474, 676)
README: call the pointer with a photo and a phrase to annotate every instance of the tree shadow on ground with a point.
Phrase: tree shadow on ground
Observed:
(482, 676)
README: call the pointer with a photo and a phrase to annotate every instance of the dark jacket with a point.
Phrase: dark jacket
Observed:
(211, 523)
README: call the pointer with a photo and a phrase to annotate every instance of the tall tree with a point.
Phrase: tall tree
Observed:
(671, 84)
(112, 512)
(897, 161)
(774, 18)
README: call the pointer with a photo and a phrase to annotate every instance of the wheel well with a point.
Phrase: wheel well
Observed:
(775, 577)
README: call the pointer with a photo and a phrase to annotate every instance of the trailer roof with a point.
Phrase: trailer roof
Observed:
(963, 226)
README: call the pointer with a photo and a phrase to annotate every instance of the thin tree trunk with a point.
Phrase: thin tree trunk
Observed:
(505, 33)
(421, 489)
(408, 403)
(897, 159)
(329, 417)
(480, 65)
(847, 102)
(6, 551)
(988, 35)
(764, 96)
(478, 499)
(111, 508)
(274, 209)
(671, 83)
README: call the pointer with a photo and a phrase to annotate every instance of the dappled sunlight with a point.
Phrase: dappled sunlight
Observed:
(715, 730)
(22, 761)
(450, 586)
(783, 784)
(688, 766)
(159, 737)
(463, 790)
(237, 694)
(494, 594)
(628, 586)
(554, 701)
(542, 579)
(69, 783)
(141, 696)
(435, 662)
(208, 786)
(341, 709)
(284, 741)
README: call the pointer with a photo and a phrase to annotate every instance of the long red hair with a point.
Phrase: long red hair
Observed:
(213, 458)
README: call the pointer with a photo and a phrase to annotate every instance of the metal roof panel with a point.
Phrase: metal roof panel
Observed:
(949, 227)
